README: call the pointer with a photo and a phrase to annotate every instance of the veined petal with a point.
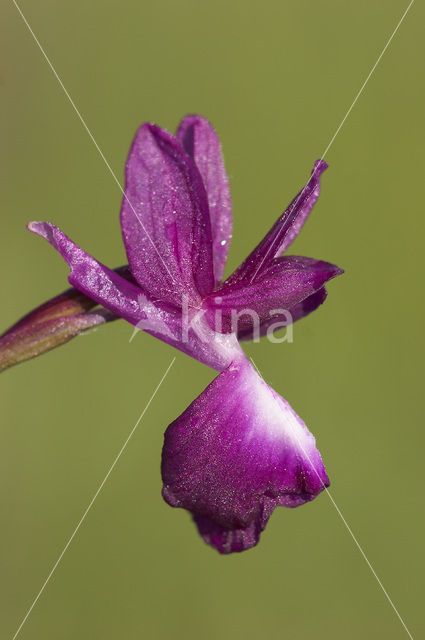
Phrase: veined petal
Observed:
(284, 231)
(235, 454)
(202, 144)
(192, 335)
(277, 321)
(284, 284)
(92, 278)
(165, 219)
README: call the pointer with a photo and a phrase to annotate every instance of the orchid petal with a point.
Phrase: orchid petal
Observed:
(125, 299)
(284, 231)
(235, 454)
(165, 219)
(202, 144)
(284, 284)
(106, 287)
(278, 321)
(92, 278)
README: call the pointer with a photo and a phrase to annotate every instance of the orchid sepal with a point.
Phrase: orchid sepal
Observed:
(50, 325)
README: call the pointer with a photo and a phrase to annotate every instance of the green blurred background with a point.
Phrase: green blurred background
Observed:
(275, 78)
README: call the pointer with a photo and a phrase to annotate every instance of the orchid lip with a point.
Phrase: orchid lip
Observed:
(237, 453)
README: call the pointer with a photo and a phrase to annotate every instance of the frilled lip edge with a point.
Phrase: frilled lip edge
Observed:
(238, 452)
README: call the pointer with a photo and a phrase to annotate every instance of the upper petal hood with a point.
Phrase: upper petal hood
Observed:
(201, 143)
(235, 454)
(165, 219)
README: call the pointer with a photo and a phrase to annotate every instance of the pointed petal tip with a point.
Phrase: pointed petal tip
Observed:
(158, 133)
(285, 230)
(333, 269)
(45, 230)
(326, 270)
(35, 226)
(320, 166)
(336, 271)
(151, 129)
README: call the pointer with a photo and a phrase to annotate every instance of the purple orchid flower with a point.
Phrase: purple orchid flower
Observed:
(239, 450)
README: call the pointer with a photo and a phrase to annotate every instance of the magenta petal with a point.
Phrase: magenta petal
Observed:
(284, 231)
(231, 540)
(236, 453)
(308, 305)
(201, 143)
(108, 288)
(165, 219)
(92, 278)
(128, 301)
(275, 323)
(282, 286)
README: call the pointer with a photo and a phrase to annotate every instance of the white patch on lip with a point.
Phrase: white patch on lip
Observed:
(273, 417)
